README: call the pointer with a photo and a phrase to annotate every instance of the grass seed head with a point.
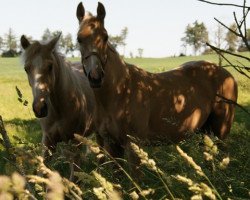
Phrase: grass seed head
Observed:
(224, 163)
(190, 161)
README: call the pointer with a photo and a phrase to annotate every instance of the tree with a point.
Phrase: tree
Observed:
(67, 43)
(196, 35)
(242, 33)
(219, 36)
(46, 34)
(231, 38)
(243, 44)
(219, 39)
(124, 33)
(131, 54)
(10, 40)
(1, 43)
(119, 40)
(140, 52)
(116, 41)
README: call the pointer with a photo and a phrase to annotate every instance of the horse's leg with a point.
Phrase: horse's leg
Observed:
(221, 119)
(48, 147)
(115, 150)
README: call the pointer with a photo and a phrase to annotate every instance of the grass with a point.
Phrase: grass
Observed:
(232, 183)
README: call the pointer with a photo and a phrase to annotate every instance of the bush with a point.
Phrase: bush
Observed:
(10, 53)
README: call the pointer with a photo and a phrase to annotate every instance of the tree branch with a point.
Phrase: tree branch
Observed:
(227, 52)
(233, 31)
(243, 37)
(229, 101)
(219, 51)
(3, 132)
(223, 4)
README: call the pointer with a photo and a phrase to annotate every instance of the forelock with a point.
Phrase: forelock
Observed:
(87, 15)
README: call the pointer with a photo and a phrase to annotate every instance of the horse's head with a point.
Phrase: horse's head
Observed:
(93, 39)
(39, 64)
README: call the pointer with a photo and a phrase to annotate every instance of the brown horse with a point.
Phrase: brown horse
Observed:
(63, 99)
(151, 106)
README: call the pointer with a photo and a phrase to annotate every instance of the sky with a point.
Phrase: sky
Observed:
(156, 26)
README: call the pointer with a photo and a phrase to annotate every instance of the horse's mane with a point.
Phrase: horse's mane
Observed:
(112, 48)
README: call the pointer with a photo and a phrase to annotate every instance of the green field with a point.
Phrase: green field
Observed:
(20, 121)
(17, 116)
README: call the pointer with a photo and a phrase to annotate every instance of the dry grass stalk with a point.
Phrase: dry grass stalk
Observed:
(107, 189)
(210, 147)
(199, 189)
(149, 163)
(190, 161)
(57, 186)
(14, 187)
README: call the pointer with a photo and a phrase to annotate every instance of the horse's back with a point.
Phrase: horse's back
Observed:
(220, 78)
(204, 73)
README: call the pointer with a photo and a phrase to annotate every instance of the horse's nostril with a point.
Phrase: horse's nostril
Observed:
(44, 110)
(40, 109)
(102, 74)
(94, 74)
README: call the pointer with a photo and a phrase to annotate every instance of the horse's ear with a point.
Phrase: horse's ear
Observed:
(80, 12)
(101, 13)
(52, 44)
(24, 42)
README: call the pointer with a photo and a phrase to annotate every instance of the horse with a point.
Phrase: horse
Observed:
(62, 98)
(167, 106)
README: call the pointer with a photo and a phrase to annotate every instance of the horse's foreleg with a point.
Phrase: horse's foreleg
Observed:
(222, 119)
(115, 150)
(47, 148)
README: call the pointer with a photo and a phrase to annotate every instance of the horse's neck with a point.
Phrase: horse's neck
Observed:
(116, 68)
(116, 74)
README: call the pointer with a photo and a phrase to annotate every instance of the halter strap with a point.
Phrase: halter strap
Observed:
(103, 63)
(93, 53)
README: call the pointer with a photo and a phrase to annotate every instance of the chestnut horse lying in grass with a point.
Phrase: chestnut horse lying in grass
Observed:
(151, 106)
(63, 99)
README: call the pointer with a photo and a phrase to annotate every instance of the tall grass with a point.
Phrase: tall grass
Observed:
(205, 172)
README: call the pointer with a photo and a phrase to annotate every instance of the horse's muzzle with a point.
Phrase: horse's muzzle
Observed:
(95, 78)
(40, 109)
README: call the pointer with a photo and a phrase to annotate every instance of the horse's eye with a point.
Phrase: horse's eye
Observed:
(92, 26)
(106, 37)
(79, 40)
(26, 68)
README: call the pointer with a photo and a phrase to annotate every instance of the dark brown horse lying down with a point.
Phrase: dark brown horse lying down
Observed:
(63, 99)
(152, 107)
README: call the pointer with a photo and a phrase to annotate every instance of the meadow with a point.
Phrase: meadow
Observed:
(233, 182)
